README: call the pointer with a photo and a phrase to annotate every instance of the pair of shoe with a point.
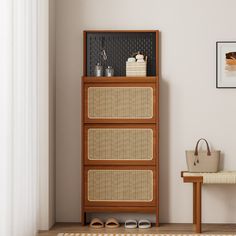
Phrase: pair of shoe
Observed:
(111, 223)
(141, 224)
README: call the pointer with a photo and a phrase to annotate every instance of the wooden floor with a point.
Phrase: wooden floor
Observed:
(162, 229)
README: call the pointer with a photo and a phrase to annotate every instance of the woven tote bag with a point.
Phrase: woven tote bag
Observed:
(202, 161)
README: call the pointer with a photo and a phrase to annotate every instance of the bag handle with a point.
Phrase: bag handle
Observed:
(196, 148)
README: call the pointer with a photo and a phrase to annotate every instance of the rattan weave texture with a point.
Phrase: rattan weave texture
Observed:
(120, 185)
(120, 102)
(120, 144)
(221, 177)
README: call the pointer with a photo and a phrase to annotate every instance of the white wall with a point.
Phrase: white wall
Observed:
(190, 105)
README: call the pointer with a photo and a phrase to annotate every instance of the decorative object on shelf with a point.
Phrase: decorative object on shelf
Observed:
(203, 161)
(104, 55)
(98, 70)
(109, 72)
(226, 64)
(131, 59)
(139, 57)
(136, 66)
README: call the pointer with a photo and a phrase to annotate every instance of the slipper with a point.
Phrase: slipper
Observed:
(144, 224)
(112, 223)
(96, 223)
(131, 224)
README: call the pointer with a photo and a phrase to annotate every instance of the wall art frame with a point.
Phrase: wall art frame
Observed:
(226, 64)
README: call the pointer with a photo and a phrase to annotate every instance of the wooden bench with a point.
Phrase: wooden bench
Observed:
(197, 179)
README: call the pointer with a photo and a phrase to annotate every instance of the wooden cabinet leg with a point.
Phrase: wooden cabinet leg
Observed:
(194, 203)
(83, 218)
(198, 207)
(157, 218)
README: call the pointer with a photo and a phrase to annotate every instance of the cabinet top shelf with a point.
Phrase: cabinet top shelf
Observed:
(120, 79)
(118, 46)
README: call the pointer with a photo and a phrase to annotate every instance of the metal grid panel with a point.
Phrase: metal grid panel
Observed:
(119, 46)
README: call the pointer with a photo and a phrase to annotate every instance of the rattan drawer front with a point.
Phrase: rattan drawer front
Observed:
(120, 102)
(120, 185)
(120, 144)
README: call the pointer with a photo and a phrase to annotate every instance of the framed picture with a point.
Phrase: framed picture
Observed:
(226, 64)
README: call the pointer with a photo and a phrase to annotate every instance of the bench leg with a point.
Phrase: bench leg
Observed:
(194, 203)
(198, 207)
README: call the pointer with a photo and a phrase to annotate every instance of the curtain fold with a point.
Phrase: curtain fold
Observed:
(19, 160)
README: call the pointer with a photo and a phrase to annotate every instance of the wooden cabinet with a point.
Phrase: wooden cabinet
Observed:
(120, 127)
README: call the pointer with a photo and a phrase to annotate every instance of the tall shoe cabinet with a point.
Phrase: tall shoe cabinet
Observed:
(120, 126)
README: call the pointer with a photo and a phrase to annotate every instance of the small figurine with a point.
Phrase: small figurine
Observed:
(139, 58)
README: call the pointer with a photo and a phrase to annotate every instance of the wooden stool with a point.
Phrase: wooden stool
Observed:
(222, 177)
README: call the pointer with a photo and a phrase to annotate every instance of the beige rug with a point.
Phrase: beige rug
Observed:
(106, 234)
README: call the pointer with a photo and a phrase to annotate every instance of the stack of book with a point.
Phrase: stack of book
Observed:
(136, 68)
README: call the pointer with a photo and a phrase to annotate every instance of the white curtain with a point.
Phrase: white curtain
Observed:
(18, 118)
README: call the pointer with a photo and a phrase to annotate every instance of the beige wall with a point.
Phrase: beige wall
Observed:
(190, 105)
